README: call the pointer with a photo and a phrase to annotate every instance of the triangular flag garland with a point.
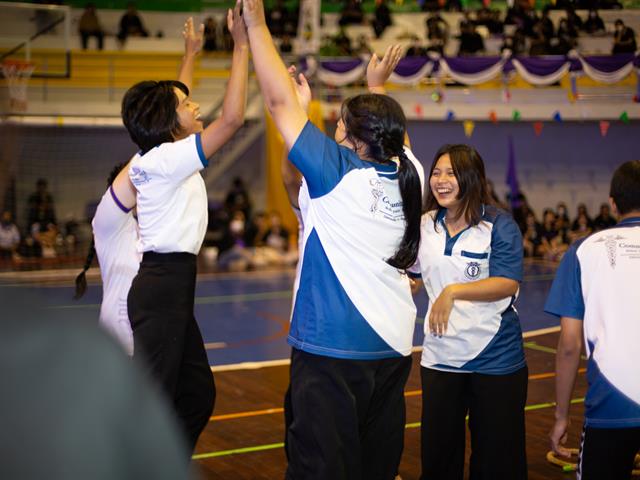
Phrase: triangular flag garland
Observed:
(468, 128)
(493, 117)
(450, 116)
(516, 115)
(557, 117)
(537, 127)
(604, 128)
(624, 118)
(418, 110)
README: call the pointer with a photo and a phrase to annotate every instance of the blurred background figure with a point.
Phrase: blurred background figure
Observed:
(89, 26)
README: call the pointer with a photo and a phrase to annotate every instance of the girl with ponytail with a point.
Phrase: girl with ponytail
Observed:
(353, 316)
(115, 235)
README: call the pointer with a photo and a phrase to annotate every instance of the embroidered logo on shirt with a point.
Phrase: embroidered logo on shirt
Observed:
(377, 193)
(138, 176)
(472, 271)
(623, 249)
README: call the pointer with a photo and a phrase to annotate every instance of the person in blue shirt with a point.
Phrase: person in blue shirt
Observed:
(471, 262)
(595, 294)
(353, 315)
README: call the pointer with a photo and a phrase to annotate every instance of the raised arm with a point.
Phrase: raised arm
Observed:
(235, 98)
(124, 189)
(192, 46)
(379, 71)
(291, 176)
(278, 93)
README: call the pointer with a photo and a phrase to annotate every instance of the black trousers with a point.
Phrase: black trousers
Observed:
(608, 453)
(167, 339)
(495, 405)
(345, 418)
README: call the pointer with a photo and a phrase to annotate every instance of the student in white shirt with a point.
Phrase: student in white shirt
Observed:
(353, 316)
(472, 360)
(163, 121)
(595, 294)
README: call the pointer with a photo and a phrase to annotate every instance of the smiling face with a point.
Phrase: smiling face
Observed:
(188, 113)
(444, 184)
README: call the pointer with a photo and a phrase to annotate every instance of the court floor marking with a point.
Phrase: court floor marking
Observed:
(271, 446)
(408, 393)
(285, 361)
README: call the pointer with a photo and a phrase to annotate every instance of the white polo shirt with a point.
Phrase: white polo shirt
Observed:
(597, 282)
(348, 301)
(481, 337)
(115, 233)
(171, 198)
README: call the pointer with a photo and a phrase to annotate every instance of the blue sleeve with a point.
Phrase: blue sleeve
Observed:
(320, 159)
(565, 297)
(506, 259)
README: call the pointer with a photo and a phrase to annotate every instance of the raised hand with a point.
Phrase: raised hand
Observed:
(253, 13)
(301, 86)
(237, 26)
(378, 71)
(192, 38)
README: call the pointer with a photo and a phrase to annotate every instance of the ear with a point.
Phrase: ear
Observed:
(614, 207)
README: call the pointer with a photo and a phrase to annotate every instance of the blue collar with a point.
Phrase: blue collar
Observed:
(629, 220)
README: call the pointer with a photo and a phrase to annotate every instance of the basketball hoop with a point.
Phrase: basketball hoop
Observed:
(17, 74)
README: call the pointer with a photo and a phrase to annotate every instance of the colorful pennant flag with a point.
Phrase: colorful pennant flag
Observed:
(604, 128)
(516, 115)
(418, 110)
(468, 128)
(493, 117)
(512, 176)
(624, 118)
(450, 116)
(557, 117)
(537, 127)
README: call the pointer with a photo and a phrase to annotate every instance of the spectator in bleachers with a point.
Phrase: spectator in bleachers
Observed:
(604, 219)
(553, 242)
(210, 35)
(257, 230)
(581, 228)
(285, 45)
(532, 236)
(515, 42)
(546, 23)
(416, 49)
(342, 44)
(540, 43)
(582, 210)
(574, 20)
(238, 199)
(9, 236)
(233, 252)
(519, 210)
(89, 26)
(490, 19)
(437, 32)
(362, 46)
(131, 25)
(562, 211)
(351, 13)
(41, 207)
(277, 18)
(624, 38)
(594, 23)
(566, 38)
(471, 42)
(382, 18)
(277, 236)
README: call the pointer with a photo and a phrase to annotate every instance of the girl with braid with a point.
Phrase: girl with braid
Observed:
(115, 234)
(353, 315)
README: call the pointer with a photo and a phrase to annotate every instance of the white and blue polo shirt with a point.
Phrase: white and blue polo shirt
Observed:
(481, 337)
(171, 196)
(348, 301)
(597, 282)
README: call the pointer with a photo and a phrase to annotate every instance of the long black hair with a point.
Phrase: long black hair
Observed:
(149, 112)
(468, 169)
(81, 279)
(378, 122)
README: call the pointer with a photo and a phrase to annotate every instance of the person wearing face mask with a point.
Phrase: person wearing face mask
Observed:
(171, 198)
(9, 236)
(624, 38)
(471, 262)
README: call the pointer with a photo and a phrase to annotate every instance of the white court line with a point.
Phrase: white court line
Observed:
(285, 361)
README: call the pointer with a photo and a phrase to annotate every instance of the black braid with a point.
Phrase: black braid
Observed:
(411, 191)
(81, 280)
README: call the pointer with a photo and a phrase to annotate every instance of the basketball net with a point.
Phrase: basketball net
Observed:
(17, 74)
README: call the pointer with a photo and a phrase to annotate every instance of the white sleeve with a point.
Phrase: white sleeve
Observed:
(110, 216)
(177, 161)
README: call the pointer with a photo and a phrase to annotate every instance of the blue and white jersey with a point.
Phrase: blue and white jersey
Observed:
(597, 282)
(348, 301)
(481, 337)
(171, 196)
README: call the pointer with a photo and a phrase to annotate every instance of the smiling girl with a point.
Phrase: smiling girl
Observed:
(473, 361)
